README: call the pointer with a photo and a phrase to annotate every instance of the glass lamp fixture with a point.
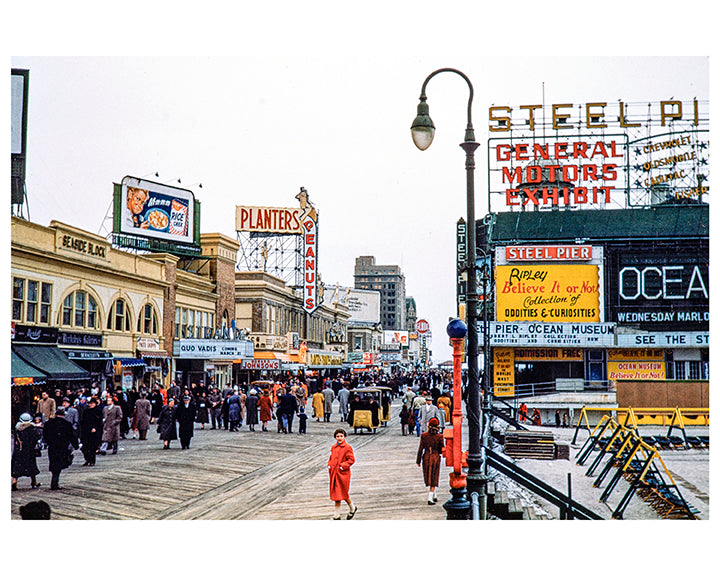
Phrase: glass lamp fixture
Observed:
(422, 129)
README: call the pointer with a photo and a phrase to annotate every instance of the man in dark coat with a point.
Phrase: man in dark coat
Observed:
(91, 428)
(288, 408)
(59, 435)
(166, 423)
(156, 402)
(185, 416)
(215, 400)
(174, 391)
(251, 409)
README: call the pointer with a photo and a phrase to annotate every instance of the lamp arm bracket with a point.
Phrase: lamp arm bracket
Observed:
(469, 134)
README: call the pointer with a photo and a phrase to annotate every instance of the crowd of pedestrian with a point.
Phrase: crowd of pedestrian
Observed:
(95, 420)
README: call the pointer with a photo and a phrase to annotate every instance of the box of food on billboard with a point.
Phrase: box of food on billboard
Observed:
(154, 210)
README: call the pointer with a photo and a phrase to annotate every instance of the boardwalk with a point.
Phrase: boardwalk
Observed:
(241, 476)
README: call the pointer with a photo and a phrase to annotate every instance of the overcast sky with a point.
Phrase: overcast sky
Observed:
(320, 99)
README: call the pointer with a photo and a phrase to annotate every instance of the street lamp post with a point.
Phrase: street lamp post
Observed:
(458, 507)
(423, 130)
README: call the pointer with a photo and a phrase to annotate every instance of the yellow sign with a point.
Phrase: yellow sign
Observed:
(504, 372)
(636, 370)
(553, 293)
(548, 355)
(636, 354)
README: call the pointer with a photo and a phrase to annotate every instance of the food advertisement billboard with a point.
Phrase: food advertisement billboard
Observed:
(155, 211)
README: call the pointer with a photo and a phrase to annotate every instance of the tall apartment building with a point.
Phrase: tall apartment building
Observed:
(390, 282)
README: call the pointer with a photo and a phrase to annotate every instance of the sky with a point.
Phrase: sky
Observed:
(326, 107)
(254, 100)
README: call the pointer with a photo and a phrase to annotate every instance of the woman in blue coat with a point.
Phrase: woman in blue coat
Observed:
(234, 411)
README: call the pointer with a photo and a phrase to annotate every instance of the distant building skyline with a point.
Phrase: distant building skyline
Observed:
(389, 280)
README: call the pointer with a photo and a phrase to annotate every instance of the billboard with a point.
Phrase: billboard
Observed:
(548, 293)
(156, 212)
(658, 287)
(396, 337)
(597, 154)
(363, 305)
(18, 133)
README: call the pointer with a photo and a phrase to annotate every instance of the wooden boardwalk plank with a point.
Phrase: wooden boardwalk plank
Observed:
(244, 475)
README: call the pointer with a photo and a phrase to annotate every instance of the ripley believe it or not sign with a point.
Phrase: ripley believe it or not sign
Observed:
(595, 154)
(549, 283)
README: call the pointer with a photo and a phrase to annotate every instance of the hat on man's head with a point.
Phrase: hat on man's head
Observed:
(25, 417)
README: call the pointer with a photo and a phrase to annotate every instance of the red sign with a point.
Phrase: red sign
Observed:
(548, 253)
(310, 283)
(258, 364)
(422, 326)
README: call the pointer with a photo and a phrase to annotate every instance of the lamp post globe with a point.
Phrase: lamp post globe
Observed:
(456, 328)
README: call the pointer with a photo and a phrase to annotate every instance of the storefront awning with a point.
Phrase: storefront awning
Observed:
(266, 355)
(78, 354)
(50, 360)
(130, 361)
(154, 354)
(22, 373)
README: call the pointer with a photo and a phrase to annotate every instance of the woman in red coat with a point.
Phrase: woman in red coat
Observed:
(265, 405)
(341, 458)
(431, 445)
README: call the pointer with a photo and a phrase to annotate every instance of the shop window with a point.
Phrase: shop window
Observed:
(687, 370)
(79, 310)
(45, 302)
(148, 320)
(687, 365)
(119, 317)
(18, 299)
(31, 301)
(595, 365)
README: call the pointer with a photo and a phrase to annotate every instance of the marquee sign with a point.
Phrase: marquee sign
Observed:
(213, 349)
(542, 334)
(661, 288)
